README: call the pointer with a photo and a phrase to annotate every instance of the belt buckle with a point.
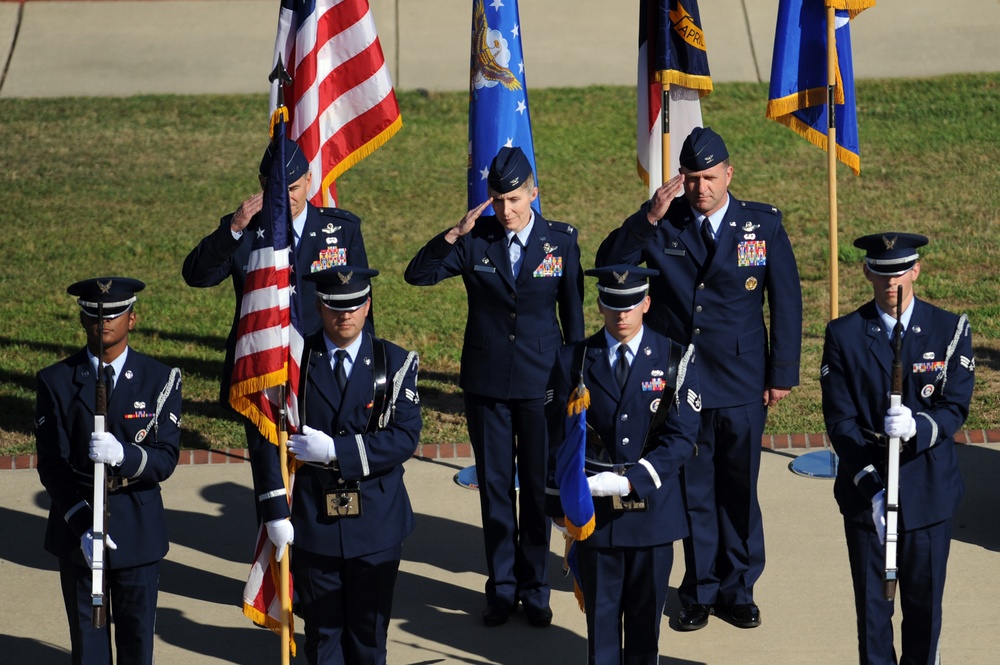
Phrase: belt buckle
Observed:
(343, 503)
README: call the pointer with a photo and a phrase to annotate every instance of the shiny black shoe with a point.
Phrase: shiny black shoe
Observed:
(744, 615)
(497, 615)
(693, 617)
(539, 617)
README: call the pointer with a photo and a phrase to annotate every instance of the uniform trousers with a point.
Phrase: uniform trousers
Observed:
(132, 609)
(510, 437)
(624, 591)
(922, 559)
(345, 605)
(724, 553)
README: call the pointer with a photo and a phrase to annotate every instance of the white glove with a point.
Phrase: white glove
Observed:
(899, 422)
(87, 545)
(878, 515)
(106, 449)
(607, 483)
(312, 445)
(281, 533)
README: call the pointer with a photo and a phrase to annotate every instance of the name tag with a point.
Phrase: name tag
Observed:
(669, 251)
(478, 268)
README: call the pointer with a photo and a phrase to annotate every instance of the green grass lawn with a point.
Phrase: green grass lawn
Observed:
(129, 186)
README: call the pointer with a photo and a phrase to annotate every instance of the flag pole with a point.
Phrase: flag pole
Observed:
(280, 75)
(283, 566)
(831, 152)
(665, 134)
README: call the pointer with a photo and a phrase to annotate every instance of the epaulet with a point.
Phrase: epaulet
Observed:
(759, 207)
(339, 213)
(562, 227)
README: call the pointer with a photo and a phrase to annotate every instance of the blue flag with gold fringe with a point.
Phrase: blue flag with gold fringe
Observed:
(498, 99)
(798, 91)
(571, 477)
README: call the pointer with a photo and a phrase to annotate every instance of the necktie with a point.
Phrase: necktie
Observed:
(621, 366)
(109, 380)
(706, 235)
(514, 252)
(339, 371)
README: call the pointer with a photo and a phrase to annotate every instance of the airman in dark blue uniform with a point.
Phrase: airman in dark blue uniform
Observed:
(518, 268)
(642, 423)
(938, 378)
(139, 446)
(350, 510)
(717, 256)
(324, 238)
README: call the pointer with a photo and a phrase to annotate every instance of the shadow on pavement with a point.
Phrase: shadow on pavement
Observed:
(976, 520)
(231, 645)
(27, 650)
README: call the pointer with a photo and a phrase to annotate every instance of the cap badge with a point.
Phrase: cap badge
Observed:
(106, 287)
(620, 278)
(889, 244)
(709, 159)
(345, 279)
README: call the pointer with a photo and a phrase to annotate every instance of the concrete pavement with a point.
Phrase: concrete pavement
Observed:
(805, 593)
(132, 47)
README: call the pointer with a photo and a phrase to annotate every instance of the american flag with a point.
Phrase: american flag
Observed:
(268, 348)
(341, 101)
(672, 52)
(269, 340)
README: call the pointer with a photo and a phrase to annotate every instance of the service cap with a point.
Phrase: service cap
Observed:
(114, 294)
(621, 287)
(509, 170)
(702, 150)
(296, 164)
(890, 253)
(343, 288)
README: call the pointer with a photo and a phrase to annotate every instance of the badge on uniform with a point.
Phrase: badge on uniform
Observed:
(329, 258)
(927, 390)
(694, 400)
(330, 228)
(967, 363)
(750, 284)
(343, 503)
(751, 253)
(936, 366)
(653, 385)
(551, 266)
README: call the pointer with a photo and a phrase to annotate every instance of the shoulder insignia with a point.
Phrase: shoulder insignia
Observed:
(340, 213)
(759, 207)
(563, 227)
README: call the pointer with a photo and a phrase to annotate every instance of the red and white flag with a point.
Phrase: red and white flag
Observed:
(341, 100)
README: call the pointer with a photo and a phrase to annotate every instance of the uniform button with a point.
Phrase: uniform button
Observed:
(513, 315)
(510, 338)
(625, 441)
(513, 296)
(342, 432)
(698, 308)
(624, 416)
(697, 331)
(701, 287)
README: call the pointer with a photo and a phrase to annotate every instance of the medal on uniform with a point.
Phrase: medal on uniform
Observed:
(751, 283)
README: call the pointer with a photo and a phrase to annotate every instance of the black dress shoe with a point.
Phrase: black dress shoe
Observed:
(693, 617)
(539, 617)
(744, 615)
(497, 615)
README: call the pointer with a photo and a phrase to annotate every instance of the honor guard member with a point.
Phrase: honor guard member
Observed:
(323, 238)
(518, 268)
(350, 510)
(139, 447)
(642, 423)
(717, 256)
(938, 377)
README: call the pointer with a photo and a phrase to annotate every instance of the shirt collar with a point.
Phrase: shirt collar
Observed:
(352, 349)
(715, 219)
(118, 363)
(524, 233)
(889, 321)
(299, 223)
(632, 344)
